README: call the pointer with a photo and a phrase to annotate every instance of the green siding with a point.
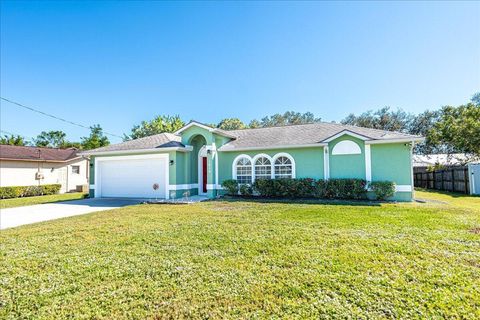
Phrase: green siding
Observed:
(347, 165)
(391, 162)
(308, 161)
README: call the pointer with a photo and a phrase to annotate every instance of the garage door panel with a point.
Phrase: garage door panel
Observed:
(132, 177)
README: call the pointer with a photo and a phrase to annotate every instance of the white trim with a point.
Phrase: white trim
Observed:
(368, 163)
(183, 186)
(200, 125)
(201, 154)
(137, 151)
(234, 165)
(400, 140)
(215, 157)
(326, 163)
(346, 132)
(98, 185)
(262, 155)
(403, 188)
(284, 154)
(346, 147)
(227, 148)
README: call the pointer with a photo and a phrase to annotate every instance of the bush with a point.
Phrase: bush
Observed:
(383, 189)
(246, 190)
(28, 191)
(231, 186)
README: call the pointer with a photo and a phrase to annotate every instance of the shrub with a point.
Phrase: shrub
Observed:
(28, 191)
(341, 189)
(264, 187)
(383, 189)
(231, 186)
(246, 190)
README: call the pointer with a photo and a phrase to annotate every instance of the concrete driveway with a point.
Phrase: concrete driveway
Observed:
(14, 217)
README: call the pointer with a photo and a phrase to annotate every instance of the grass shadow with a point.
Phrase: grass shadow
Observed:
(304, 201)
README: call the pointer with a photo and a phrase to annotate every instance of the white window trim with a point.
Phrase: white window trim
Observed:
(234, 165)
(284, 154)
(346, 147)
(272, 163)
(262, 155)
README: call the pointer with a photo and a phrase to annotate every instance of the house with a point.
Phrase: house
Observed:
(29, 166)
(197, 158)
(441, 159)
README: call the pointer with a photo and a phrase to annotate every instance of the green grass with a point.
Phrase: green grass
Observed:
(246, 259)
(28, 201)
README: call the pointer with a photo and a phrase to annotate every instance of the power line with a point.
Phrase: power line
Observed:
(55, 117)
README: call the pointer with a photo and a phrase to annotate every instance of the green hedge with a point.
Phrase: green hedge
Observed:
(28, 191)
(310, 188)
(383, 189)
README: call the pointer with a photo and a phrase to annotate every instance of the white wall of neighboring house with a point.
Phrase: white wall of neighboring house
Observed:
(22, 173)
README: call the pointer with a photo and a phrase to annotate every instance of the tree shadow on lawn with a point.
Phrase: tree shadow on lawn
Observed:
(336, 202)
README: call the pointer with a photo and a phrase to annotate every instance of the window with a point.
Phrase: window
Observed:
(263, 168)
(243, 169)
(76, 169)
(283, 167)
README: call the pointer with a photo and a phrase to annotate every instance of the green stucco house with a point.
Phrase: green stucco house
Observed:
(197, 158)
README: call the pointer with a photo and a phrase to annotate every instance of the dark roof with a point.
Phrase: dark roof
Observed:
(162, 140)
(303, 134)
(24, 153)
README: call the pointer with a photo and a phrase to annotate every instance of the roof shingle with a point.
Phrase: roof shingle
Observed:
(26, 153)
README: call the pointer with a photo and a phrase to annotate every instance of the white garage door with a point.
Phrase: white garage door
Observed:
(131, 177)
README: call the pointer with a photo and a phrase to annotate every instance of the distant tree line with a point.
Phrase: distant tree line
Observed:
(58, 139)
(447, 130)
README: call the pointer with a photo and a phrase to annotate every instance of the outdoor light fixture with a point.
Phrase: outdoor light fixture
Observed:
(171, 162)
(209, 151)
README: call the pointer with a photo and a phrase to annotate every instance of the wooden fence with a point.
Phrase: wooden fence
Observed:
(454, 179)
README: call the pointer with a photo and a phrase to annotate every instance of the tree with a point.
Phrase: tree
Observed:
(383, 119)
(54, 139)
(288, 118)
(159, 124)
(231, 124)
(96, 139)
(421, 125)
(254, 124)
(459, 130)
(13, 140)
(476, 99)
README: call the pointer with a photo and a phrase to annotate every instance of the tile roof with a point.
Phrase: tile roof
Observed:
(290, 135)
(25, 153)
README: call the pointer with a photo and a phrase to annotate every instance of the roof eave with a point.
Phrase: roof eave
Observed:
(293, 146)
(201, 125)
(397, 140)
(137, 151)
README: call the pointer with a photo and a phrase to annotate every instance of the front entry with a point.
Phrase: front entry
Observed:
(204, 174)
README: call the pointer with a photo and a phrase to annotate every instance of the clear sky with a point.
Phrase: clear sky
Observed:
(117, 63)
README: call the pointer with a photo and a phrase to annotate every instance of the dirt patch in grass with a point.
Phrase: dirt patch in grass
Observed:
(475, 230)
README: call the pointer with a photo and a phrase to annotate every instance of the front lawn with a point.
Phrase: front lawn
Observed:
(247, 259)
(28, 201)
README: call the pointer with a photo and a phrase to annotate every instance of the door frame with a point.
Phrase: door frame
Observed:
(201, 154)
(98, 185)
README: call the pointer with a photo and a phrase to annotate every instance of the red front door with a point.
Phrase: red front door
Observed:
(204, 174)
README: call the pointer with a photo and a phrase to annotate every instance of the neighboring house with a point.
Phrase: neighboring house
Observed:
(28, 166)
(442, 159)
(197, 158)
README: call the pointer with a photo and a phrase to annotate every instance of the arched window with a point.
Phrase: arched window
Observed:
(283, 167)
(243, 170)
(263, 168)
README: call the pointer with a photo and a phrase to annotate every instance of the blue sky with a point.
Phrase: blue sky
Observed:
(117, 63)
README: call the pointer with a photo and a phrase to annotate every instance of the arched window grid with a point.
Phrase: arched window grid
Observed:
(246, 169)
